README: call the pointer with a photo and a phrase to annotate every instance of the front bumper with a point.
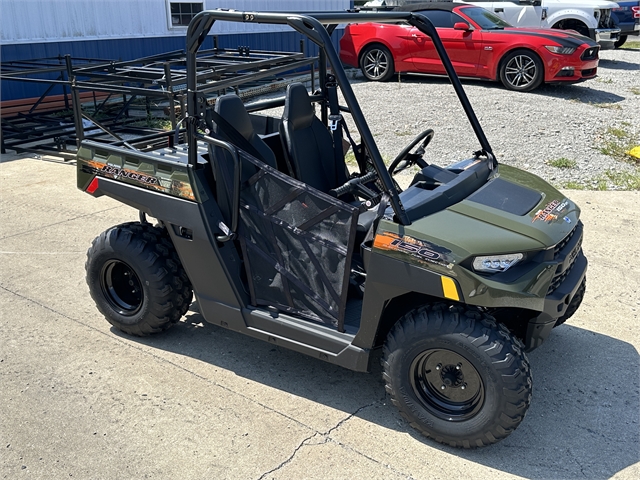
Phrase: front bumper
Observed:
(606, 37)
(571, 272)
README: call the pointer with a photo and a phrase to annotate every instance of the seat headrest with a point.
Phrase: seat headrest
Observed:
(298, 110)
(231, 108)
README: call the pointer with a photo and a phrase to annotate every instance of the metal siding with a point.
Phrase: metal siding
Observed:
(28, 21)
(127, 49)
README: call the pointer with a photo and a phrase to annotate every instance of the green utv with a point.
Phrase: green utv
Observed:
(455, 278)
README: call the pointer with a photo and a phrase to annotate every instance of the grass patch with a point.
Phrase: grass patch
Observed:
(403, 133)
(562, 163)
(631, 45)
(635, 90)
(617, 141)
(602, 80)
(624, 180)
(350, 159)
(610, 106)
(610, 180)
(158, 123)
(575, 186)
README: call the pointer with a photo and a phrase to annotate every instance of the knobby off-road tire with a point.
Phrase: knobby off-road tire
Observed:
(457, 376)
(574, 305)
(136, 278)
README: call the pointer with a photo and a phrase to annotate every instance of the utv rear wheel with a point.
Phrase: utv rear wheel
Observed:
(136, 279)
(376, 63)
(521, 70)
(456, 375)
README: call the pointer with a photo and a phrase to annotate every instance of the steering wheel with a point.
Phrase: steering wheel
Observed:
(406, 158)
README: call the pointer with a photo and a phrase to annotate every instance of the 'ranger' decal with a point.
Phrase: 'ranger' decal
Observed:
(550, 212)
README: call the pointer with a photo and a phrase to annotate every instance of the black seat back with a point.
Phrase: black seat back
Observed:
(308, 145)
(231, 108)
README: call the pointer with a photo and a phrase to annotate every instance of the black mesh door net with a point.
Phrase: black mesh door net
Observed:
(297, 244)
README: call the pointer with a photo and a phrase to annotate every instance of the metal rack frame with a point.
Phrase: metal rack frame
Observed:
(106, 100)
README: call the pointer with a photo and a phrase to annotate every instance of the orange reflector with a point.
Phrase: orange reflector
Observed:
(449, 289)
(93, 186)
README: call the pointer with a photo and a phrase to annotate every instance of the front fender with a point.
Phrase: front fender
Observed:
(569, 14)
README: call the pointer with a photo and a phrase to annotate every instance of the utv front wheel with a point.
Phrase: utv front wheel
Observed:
(136, 279)
(456, 375)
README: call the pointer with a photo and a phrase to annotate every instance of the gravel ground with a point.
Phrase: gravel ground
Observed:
(526, 130)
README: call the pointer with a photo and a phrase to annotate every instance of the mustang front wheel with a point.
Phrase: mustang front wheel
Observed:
(521, 70)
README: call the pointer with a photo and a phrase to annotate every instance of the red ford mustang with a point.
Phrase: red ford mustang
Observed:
(480, 45)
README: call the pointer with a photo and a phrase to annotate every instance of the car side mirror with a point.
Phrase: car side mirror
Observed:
(462, 26)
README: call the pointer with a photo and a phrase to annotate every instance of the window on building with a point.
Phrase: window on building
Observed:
(183, 12)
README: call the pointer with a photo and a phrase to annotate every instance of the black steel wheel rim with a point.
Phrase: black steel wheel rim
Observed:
(447, 384)
(520, 71)
(376, 63)
(121, 287)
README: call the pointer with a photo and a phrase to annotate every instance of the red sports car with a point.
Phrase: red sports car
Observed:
(479, 43)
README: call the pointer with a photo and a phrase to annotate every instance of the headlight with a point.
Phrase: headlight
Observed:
(561, 50)
(496, 263)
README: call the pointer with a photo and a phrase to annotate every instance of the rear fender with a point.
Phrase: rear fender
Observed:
(212, 267)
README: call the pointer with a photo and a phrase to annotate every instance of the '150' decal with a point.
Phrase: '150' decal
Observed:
(420, 249)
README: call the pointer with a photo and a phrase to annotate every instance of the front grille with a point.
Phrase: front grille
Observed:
(558, 279)
(590, 53)
(561, 274)
(605, 20)
(558, 248)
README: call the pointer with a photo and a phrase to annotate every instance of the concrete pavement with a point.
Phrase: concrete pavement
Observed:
(81, 400)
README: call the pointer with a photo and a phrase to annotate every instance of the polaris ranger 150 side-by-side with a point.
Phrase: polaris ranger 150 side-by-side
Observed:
(455, 278)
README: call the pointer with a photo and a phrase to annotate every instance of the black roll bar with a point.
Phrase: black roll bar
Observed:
(310, 25)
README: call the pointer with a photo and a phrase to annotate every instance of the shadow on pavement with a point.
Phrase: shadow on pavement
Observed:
(618, 64)
(583, 421)
(581, 92)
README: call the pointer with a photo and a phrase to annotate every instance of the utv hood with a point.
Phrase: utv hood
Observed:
(515, 211)
(522, 203)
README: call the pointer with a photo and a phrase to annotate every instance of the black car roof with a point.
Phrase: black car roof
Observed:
(428, 6)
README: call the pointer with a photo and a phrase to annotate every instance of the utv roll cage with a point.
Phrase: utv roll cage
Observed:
(317, 26)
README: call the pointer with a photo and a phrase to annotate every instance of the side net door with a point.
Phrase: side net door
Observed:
(297, 244)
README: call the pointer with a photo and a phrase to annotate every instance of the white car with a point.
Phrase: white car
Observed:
(591, 18)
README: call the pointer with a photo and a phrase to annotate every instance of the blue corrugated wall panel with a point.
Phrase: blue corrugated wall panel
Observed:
(128, 49)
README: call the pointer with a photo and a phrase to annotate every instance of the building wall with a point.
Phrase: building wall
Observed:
(35, 21)
(128, 29)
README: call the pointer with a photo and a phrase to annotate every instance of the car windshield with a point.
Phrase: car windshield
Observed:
(484, 18)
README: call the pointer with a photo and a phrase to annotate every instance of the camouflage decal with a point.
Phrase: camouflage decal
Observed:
(419, 249)
(173, 187)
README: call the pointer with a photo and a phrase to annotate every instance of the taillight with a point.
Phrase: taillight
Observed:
(93, 186)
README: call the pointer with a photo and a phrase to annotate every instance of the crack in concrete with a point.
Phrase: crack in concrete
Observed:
(288, 460)
(326, 438)
(164, 360)
(326, 435)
